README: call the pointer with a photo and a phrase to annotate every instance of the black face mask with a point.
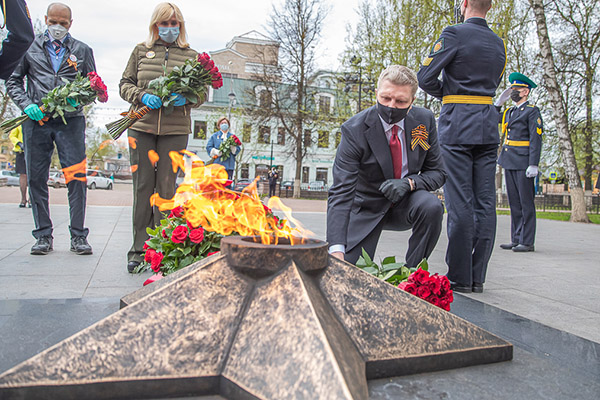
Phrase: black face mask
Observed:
(392, 115)
(515, 96)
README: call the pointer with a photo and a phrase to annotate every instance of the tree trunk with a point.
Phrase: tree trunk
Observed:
(578, 209)
(588, 133)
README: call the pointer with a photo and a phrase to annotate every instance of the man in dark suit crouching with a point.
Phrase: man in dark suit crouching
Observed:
(387, 163)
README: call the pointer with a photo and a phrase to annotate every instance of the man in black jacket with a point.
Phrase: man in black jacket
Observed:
(53, 56)
(19, 38)
(471, 59)
(387, 163)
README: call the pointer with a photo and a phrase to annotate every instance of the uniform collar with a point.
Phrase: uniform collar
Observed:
(477, 21)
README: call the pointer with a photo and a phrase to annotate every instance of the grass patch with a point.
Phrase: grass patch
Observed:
(556, 216)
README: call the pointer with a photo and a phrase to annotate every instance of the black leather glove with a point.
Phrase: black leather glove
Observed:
(395, 189)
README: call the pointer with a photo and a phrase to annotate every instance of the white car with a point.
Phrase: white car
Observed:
(98, 180)
(56, 179)
(12, 178)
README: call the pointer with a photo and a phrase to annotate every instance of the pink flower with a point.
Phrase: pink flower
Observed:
(197, 235)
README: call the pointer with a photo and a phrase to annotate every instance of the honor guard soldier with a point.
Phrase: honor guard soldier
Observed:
(471, 59)
(520, 156)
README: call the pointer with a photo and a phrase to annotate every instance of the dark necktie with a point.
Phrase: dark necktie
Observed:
(57, 45)
(396, 149)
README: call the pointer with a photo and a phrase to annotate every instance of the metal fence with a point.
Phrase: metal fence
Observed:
(555, 202)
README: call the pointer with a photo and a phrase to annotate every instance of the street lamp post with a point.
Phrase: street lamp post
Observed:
(232, 101)
(271, 154)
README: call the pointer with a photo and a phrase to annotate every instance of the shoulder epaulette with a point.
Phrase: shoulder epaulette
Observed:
(531, 105)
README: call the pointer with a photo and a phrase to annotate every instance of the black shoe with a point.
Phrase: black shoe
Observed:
(79, 245)
(132, 265)
(508, 246)
(23, 205)
(459, 287)
(522, 248)
(42, 246)
(477, 287)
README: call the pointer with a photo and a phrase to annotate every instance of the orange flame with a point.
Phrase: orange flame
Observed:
(132, 142)
(153, 156)
(104, 144)
(75, 172)
(134, 168)
(207, 202)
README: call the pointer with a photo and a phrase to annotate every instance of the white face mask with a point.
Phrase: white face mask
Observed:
(58, 32)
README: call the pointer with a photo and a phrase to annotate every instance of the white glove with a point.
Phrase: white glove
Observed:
(233, 149)
(215, 153)
(503, 97)
(532, 171)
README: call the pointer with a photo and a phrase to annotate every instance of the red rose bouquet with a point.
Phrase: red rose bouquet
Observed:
(190, 80)
(79, 92)
(434, 289)
(225, 148)
(177, 243)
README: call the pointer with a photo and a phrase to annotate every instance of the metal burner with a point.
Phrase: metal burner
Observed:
(257, 322)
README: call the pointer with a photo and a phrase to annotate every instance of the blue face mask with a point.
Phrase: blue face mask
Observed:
(224, 127)
(168, 34)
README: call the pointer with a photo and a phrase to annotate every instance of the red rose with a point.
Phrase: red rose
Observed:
(420, 276)
(156, 261)
(445, 284)
(236, 140)
(216, 84)
(214, 71)
(210, 254)
(179, 234)
(164, 234)
(98, 86)
(435, 284)
(408, 287)
(444, 304)
(203, 59)
(434, 300)
(423, 292)
(153, 278)
(146, 247)
(209, 65)
(176, 212)
(197, 235)
(149, 254)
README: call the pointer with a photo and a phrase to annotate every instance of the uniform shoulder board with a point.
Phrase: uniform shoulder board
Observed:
(531, 105)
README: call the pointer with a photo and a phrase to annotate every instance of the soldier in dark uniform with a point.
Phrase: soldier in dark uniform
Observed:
(471, 58)
(520, 157)
(19, 38)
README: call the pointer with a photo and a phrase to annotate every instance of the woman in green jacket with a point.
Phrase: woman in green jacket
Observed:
(155, 135)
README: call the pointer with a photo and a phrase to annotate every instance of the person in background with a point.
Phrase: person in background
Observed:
(471, 59)
(520, 157)
(19, 38)
(16, 137)
(273, 177)
(155, 133)
(53, 57)
(212, 147)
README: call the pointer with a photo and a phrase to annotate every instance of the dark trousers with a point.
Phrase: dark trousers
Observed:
(469, 193)
(422, 212)
(521, 198)
(149, 179)
(272, 188)
(39, 145)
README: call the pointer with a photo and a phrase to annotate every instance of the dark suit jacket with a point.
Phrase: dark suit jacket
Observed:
(471, 58)
(364, 161)
(523, 123)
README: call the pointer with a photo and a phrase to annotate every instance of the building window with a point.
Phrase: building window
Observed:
(324, 104)
(323, 139)
(305, 174)
(264, 134)
(338, 138)
(199, 129)
(322, 175)
(265, 99)
(246, 132)
(261, 170)
(281, 136)
(245, 171)
(307, 138)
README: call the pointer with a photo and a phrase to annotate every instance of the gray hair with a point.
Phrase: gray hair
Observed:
(401, 76)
